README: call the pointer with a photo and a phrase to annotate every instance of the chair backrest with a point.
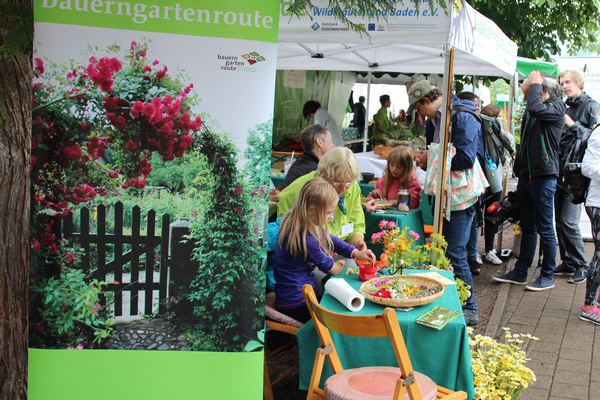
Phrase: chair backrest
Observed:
(277, 321)
(381, 325)
(281, 322)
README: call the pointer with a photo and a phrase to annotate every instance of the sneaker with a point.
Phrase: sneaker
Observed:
(492, 258)
(511, 277)
(592, 315)
(578, 277)
(474, 267)
(562, 269)
(471, 318)
(540, 284)
(478, 259)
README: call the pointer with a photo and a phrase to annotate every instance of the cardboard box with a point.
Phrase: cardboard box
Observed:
(383, 151)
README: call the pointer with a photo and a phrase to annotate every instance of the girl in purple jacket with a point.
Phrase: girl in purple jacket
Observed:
(304, 243)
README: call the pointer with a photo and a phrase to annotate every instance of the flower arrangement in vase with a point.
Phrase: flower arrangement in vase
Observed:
(397, 244)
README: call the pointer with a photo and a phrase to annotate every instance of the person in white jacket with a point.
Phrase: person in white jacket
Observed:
(591, 168)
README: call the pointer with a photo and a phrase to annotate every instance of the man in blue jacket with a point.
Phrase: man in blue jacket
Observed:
(537, 165)
(468, 140)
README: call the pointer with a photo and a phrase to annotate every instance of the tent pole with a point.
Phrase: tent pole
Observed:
(442, 202)
(366, 131)
(514, 84)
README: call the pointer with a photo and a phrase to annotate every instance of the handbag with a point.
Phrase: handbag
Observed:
(576, 184)
(464, 187)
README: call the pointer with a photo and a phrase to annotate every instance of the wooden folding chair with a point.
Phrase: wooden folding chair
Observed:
(366, 382)
(274, 320)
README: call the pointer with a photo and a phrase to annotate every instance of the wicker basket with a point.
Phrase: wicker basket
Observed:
(412, 279)
(383, 206)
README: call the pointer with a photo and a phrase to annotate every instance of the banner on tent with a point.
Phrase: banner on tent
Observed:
(403, 21)
(476, 34)
(407, 42)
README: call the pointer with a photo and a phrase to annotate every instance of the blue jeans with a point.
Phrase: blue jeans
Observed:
(472, 242)
(536, 204)
(570, 243)
(457, 232)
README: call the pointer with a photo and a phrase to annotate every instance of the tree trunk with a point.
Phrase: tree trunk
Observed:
(15, 128)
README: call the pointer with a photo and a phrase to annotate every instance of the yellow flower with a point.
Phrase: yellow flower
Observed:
(517, 229)
(499, 369)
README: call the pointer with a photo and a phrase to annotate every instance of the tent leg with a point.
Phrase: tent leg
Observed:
(440, 197)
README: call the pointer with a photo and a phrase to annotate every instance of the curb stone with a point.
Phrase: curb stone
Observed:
(493, 325)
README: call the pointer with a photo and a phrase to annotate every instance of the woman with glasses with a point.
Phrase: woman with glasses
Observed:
(340, 169)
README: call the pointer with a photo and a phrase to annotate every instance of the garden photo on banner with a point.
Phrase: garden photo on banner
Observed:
(150, 170)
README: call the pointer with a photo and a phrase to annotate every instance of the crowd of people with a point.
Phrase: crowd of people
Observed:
(322, 213)
(549, 129)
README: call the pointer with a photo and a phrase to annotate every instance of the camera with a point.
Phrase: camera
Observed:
(499, 212)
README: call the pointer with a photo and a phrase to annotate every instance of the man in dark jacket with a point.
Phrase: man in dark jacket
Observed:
(467, 138)
(580, 119)
(360, 113)
(536, 165)
(316, 141)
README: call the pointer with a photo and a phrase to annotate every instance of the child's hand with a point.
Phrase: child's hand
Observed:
(365, 255)
(370, 206)
(376, 194)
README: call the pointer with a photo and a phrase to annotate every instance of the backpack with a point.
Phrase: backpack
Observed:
(497, 149)
(576, 184)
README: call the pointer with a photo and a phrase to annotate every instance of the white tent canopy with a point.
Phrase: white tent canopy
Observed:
(404, 43)
(461, 41)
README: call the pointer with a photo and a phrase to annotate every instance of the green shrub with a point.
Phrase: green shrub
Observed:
(71, 314)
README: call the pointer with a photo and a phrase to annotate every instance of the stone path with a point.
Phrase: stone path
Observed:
(148, 334)
(567, 358)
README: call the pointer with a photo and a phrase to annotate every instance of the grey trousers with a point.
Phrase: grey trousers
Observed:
(570, 243)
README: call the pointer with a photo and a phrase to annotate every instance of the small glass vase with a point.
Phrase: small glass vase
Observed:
(396, 264)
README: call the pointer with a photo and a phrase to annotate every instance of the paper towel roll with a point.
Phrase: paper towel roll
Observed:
(340, 290)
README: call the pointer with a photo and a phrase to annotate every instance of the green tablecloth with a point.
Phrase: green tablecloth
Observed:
(426, 208)
(366, 189)
(277, 180)
(412, 220)
(442, 355)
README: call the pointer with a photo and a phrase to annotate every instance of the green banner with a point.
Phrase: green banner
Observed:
(235, 19)
(292, 90)
(122, 374)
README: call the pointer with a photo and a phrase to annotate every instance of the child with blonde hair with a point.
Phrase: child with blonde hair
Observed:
(304, 243)
(399, 174)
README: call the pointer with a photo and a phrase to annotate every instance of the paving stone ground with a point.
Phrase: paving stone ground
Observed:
(567, 357)
(147, 334)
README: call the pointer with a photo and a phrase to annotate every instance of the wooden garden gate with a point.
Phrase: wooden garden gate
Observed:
(154, 246)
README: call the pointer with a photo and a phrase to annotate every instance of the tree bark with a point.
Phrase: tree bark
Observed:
(15, 131)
